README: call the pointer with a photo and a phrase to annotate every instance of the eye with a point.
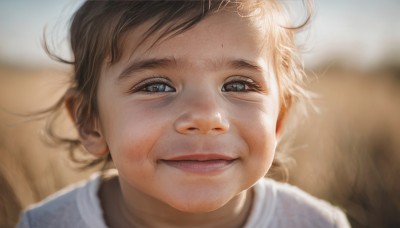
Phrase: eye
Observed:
(240, 84)
(153, 85)
(235, 87)
(157, 87)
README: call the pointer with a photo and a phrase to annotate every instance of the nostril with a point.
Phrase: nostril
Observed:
(201, 123)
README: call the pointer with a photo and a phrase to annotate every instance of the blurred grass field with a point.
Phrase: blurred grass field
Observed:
(30, 169)
(347, 152)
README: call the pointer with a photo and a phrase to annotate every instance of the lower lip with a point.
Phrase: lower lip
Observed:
(200, 167)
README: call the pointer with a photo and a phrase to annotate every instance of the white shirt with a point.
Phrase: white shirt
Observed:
(275, 205)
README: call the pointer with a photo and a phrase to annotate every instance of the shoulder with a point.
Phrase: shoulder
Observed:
(301, 206)
(74, 206)
(293, 207)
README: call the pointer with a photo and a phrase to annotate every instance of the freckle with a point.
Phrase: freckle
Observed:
(222, 45)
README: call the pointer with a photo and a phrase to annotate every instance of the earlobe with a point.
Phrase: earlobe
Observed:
(94, 142)
(280, 121)
(285, 106)
(90, 133)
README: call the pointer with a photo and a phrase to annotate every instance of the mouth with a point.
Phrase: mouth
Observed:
(200, 163)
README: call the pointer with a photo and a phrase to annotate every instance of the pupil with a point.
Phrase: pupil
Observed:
(236, 87)
(156, 88)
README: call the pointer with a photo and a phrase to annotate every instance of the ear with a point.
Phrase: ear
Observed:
(90, 133)
(282, 117)
(279, 122)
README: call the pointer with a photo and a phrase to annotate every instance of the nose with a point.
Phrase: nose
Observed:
(201, 115)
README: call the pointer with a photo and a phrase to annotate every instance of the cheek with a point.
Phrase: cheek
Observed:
(262, 136)
(130, 133)
(257, 121)
(262, 149)
(257, 127)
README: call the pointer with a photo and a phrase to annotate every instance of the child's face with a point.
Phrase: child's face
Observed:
(191, 122)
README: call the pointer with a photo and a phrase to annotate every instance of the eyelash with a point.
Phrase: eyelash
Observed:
(143, 86)
(156, 80)
(251, 85)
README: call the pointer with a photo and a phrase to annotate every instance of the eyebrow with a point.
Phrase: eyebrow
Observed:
(245, 65)
(146, 64)
(156, 63)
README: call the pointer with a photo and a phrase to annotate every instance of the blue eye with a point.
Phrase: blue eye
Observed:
(153, 85)
(241, 84)
(235, 87)
(157, 88)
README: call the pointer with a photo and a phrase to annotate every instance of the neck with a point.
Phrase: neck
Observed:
(144, 211)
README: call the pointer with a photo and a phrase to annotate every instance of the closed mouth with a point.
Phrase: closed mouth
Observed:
(200, 157)
(200, 164)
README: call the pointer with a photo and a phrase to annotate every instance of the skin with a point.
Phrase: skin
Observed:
(187, 105)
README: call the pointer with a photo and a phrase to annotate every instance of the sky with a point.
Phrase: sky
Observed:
(360, 32)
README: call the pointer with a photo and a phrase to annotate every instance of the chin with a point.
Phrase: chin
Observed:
(198, 204)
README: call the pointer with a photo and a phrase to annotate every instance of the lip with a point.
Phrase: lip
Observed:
(200, 157)
(203, 164)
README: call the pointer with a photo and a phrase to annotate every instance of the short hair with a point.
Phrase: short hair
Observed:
(97, 28)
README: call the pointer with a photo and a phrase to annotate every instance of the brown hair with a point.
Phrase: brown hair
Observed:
(97, 29)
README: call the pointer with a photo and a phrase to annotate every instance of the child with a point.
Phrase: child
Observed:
(188, 98)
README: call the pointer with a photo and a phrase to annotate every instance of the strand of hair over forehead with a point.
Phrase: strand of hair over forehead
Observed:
(177, 10)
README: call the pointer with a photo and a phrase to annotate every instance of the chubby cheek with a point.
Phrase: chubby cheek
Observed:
(262, 145)
(259, 133)
(264, 150)
(130, 137)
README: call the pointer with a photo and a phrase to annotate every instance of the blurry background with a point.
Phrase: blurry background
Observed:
(346, 151)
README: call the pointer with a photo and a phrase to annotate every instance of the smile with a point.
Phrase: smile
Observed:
(200, 164)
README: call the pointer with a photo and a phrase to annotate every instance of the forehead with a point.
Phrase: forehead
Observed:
(218, 34)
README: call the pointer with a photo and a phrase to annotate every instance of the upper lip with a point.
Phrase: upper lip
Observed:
(200, 157)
